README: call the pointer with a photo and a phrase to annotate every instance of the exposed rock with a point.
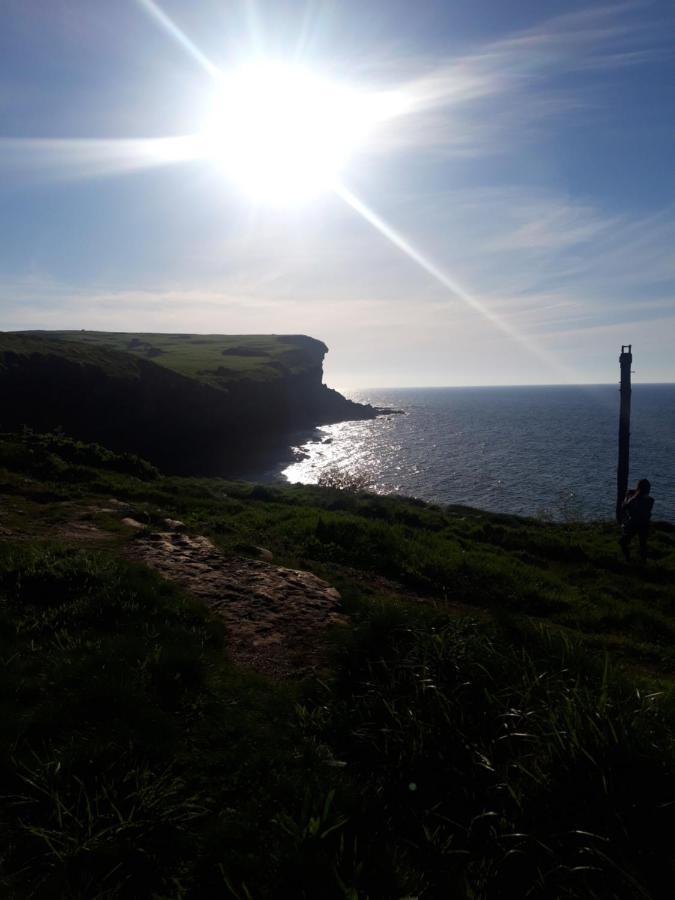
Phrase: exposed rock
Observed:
(173, 524)
(132, 523)
(265, 554)
(274, 616)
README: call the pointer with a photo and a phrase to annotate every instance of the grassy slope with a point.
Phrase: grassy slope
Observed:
(109, 360)
(215, 359)
(512, 734)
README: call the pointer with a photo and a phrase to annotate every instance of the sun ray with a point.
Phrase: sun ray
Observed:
(66, 159)
(445, 280)
(255, 31)
(180, 37)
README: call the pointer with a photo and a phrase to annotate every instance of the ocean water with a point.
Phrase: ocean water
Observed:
(547, 451)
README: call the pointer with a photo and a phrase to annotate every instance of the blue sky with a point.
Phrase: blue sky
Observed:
(513, 225)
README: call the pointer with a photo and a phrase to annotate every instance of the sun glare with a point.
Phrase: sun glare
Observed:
(283, 134)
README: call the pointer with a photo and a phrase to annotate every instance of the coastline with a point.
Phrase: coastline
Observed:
(524, 451)
(266, 464)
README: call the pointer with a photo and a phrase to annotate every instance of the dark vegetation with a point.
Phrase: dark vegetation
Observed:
(188, 403)
(496, 721)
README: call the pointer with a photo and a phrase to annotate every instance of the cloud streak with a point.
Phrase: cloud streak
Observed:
(43, 160)
(507, 86)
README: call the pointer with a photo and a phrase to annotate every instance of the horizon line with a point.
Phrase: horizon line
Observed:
(438, 387)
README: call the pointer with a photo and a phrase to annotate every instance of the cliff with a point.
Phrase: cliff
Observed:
(190, 403)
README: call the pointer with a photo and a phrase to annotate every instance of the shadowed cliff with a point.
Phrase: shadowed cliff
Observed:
(191, 403)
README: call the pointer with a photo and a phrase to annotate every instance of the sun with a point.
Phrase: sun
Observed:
(283, 134)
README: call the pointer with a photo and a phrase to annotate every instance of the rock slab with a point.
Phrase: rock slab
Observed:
(275, 617)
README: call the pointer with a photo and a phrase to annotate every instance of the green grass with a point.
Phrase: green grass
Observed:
(127, 740)
(568, 574)
(511, 736)
(54, 456)
(440, 758)
(213, 359)
(26, 344)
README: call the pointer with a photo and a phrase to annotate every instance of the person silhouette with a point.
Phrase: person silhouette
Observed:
(637, 510)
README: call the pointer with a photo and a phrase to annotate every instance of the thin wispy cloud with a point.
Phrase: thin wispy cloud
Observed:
(506, 86)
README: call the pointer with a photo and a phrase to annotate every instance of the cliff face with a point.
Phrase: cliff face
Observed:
(183, 423)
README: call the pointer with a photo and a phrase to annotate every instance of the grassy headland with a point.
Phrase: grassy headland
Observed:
(214, 359)
(495, 721)
(187, 402)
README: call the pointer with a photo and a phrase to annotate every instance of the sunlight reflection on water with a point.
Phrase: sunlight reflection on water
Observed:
(365, 451)
(529, 451)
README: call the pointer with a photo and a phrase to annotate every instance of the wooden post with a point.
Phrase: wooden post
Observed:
(625, 361)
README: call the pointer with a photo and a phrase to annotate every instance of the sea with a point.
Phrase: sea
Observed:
(548, 451)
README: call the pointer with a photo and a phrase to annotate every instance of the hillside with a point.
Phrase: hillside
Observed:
(214, 359)
(191, 403)
(484, 710)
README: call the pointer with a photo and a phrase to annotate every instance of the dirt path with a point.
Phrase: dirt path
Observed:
(275, 617)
